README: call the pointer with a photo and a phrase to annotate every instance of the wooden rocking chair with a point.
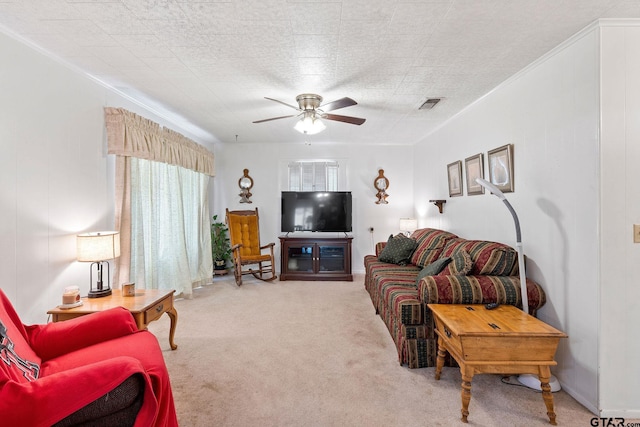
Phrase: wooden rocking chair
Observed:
(244, 232)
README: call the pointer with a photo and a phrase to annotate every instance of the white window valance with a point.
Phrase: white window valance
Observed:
(131, 135)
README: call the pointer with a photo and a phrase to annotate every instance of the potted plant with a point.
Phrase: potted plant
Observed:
(220, 246)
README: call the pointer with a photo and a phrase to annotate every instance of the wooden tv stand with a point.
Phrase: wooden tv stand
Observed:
(315, 258)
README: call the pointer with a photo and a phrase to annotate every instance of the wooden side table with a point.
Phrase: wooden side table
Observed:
(146, 306)
(501, 341)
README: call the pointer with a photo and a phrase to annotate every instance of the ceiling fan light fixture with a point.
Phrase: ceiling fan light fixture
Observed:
(311, 111)
(309, 124)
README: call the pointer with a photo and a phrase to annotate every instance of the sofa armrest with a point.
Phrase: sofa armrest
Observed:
(478, 290)
(119, 406)
(53, 397)
(54, 339)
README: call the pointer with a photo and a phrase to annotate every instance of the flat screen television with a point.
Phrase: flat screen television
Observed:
(316, 211)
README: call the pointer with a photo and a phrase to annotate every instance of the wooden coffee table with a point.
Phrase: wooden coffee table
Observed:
(146, 306)
(501, 341)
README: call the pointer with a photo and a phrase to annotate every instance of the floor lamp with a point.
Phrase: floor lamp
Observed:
(523, 277)
(528, 380)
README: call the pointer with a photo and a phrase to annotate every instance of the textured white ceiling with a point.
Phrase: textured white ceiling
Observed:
(211, 63)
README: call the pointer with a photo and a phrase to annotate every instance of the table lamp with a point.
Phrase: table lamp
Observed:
(98, 248)
(408, 225)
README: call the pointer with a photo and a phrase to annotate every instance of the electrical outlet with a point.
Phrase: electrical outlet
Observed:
(636, 233)
(370, 229)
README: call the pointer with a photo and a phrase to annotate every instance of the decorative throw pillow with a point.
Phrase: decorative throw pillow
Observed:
(398, 250)
(460, 265)
(432, 269)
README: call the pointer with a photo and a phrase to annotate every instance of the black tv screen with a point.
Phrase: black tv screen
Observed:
(316, 211)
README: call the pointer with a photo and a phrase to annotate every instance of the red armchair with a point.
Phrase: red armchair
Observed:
(82, 370)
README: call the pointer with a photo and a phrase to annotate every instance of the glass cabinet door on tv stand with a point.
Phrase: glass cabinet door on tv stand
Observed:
(311, 258)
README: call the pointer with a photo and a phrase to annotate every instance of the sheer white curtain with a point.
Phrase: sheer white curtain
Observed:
(162, 211)
(169, 227)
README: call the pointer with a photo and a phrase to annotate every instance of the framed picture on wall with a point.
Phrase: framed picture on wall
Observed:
(501, 168)
(454, 174)
(474, 168)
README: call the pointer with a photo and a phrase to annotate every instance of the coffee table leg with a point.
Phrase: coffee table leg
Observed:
(465, 394)
(440, 359)
(543, 376)
(173, 315)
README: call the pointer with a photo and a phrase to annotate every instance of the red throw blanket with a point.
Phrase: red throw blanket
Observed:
(49, 371)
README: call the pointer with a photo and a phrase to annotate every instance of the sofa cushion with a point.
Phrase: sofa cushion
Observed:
(398, 249)
(418, 346)
(399, 302)
(404, 275)
(375, 268)
(379, 248)
(478, 290)
(489, 258)
(118, 407)
(430, 245)
(460, 264)
(434, 268)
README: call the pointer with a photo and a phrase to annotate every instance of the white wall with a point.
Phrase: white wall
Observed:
(56, 179)
(578, 249)
(620, 209)
(267, 164)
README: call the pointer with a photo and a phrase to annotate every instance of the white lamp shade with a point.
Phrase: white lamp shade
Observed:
(408, 224)
(98, 246)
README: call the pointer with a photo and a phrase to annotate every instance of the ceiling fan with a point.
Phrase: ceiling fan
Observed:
(311, 110)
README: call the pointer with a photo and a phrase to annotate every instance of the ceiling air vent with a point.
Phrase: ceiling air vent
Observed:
(429, 103)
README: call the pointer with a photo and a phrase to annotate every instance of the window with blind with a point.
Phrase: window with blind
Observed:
(313, 176)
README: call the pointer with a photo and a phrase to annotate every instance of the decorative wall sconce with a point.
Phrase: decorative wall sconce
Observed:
(439, 204)
(245, 183)
(381, 183)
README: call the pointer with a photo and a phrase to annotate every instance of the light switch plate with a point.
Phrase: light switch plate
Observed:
(636, 233)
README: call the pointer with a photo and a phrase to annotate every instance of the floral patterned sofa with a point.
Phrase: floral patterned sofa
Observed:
(435, 266)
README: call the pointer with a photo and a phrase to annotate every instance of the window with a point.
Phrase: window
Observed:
(313, 176)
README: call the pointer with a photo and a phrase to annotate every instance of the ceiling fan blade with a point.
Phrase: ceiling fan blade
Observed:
(274, 118)
(345, 119)
(338, 103)
(283, 103)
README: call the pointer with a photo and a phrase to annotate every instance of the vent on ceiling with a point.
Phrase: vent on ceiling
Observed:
(429, 103)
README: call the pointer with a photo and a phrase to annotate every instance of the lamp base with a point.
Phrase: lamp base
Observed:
(533, 382)
(99, 293)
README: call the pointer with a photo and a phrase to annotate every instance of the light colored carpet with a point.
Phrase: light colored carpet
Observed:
(316, 354)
